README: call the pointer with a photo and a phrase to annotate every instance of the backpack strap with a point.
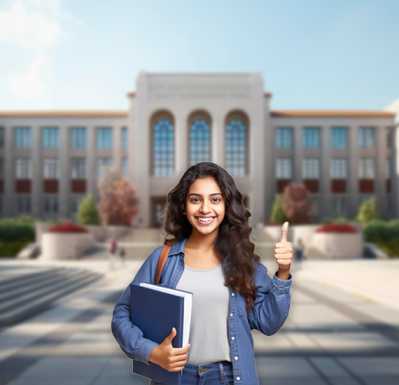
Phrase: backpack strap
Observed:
(162, 259)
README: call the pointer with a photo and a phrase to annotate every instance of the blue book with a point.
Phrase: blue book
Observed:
(156, 310)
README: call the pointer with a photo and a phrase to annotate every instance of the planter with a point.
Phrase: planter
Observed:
(336, 245)
(65, 245)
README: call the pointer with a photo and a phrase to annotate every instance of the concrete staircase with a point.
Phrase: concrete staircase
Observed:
(139, 243)
(26, 292)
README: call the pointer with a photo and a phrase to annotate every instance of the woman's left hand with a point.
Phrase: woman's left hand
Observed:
(284, 252)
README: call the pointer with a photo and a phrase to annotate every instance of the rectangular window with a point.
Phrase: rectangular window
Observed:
(50, 203)
(23, 203)
(1, 168)
(23, 137)
(104, 138)
(366, 137)
(338, 168)
(103, 165)
(78, 138)
(311, 137)
(50, 168)
(2, 133)
(283, 168)
(284, 137)
(366, 168)
(23, 168)
(50, 137)
(125, 139)
(339, 137)
(311, 168)
(78, 168)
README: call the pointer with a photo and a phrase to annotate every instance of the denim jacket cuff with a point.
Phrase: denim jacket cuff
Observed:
(282, 285)
(143, 352)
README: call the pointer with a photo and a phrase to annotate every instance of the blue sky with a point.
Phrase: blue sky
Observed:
(73, 54)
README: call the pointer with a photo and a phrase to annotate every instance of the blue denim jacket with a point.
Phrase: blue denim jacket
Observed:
(270, 310)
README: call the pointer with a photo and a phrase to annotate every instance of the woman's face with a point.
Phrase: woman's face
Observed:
(205, 206)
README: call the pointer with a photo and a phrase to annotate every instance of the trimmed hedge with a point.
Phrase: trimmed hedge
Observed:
(15, 234)
(385, 234)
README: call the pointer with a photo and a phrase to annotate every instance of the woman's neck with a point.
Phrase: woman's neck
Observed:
(201, 243)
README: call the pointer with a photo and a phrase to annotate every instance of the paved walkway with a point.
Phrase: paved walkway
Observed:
(342, 329)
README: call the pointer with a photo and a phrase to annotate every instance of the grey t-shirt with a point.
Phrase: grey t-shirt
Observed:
(208, 332)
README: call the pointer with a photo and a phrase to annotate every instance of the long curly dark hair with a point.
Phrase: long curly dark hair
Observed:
(232, 244)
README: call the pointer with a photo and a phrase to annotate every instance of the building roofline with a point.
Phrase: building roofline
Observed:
(64, 114)
(331, 114)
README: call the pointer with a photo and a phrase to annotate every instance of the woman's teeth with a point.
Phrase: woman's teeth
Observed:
(205, 221)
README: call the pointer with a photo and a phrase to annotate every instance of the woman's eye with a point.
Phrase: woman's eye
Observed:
(215, 200)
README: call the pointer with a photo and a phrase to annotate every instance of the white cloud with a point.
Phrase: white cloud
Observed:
(31, 24)
(32, 82)
(33, 27)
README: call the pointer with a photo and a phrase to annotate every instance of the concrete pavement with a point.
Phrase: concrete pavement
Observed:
(343, 328)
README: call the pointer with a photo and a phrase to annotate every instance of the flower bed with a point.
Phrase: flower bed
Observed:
(65, 241)
(336, 228)
(67, 227)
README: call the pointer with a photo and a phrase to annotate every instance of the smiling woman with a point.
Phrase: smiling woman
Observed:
(212, 257)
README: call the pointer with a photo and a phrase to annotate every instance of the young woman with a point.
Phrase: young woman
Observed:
(214, 258)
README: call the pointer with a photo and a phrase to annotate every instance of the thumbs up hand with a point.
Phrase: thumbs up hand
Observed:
(283, 253)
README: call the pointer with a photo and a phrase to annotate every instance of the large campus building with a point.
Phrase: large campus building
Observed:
(49, 160)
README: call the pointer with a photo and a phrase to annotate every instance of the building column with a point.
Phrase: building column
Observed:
(353, 170)
(64, 180)
(218, 129)
(181, 144)
(381, 170)
(37, 173)
(298, 155)
(325, 189)
(9, 200)
(91, 161)
(117, 148)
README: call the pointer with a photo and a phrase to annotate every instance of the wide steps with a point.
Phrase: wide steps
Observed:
(25, 295)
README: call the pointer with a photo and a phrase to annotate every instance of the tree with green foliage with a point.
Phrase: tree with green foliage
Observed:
(88, 213)
(278, 215)
(367, 211)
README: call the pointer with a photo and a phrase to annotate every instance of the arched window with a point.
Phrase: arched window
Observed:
(236, 143)
(162, 144)
(199, 124)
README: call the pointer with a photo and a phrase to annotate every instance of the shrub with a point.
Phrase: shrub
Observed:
(367, 211)
(336, 228)
(385, 234)
(15, 234)
(277, 215)
(88, 213)
(67, 227)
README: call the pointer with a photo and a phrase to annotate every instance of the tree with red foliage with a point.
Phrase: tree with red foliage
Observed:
(296, 203)
(118, 201)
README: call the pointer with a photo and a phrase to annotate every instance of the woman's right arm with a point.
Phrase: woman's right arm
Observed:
(129, 337)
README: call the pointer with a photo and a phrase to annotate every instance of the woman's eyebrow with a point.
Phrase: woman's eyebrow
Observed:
(201, 195)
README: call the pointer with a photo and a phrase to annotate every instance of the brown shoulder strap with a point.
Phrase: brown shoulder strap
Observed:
(162, 260)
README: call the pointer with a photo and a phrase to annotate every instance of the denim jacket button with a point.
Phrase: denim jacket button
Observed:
(231, 314)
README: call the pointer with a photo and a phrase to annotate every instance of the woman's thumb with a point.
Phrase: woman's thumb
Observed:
(172, 334)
